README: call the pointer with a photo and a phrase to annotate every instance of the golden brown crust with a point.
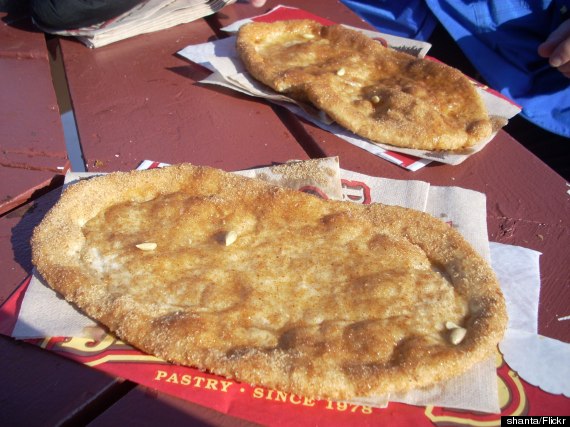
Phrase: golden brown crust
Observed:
(378, 93)
(319, 298)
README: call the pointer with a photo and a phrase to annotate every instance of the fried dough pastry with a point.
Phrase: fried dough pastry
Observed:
(272, 286)
(378, 93)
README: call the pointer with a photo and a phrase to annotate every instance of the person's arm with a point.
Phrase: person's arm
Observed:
(557, 48)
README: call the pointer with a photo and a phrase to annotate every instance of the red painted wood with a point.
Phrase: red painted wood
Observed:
(16, 229)
(333, 10)
(137, 100)
(143, 406)
(19, 186)
(32, 144)
(40, 388)
(20, 39)
(133, 101)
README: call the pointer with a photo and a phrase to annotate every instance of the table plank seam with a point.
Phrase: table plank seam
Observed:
(99, 404)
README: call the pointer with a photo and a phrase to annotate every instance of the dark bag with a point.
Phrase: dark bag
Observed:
(58, 15)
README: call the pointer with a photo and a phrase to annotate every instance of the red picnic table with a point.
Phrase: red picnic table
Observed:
(138, 100)
(31, 136)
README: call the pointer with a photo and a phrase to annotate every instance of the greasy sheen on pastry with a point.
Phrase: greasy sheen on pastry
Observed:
(271, 286)
(378, 93)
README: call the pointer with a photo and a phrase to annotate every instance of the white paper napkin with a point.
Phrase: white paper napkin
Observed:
(541, 361)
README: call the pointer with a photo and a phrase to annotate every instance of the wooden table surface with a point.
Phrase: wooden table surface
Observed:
(32, 146)
(170, 116)
(136, 100)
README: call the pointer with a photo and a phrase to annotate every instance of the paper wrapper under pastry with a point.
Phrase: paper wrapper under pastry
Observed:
(274, 228)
